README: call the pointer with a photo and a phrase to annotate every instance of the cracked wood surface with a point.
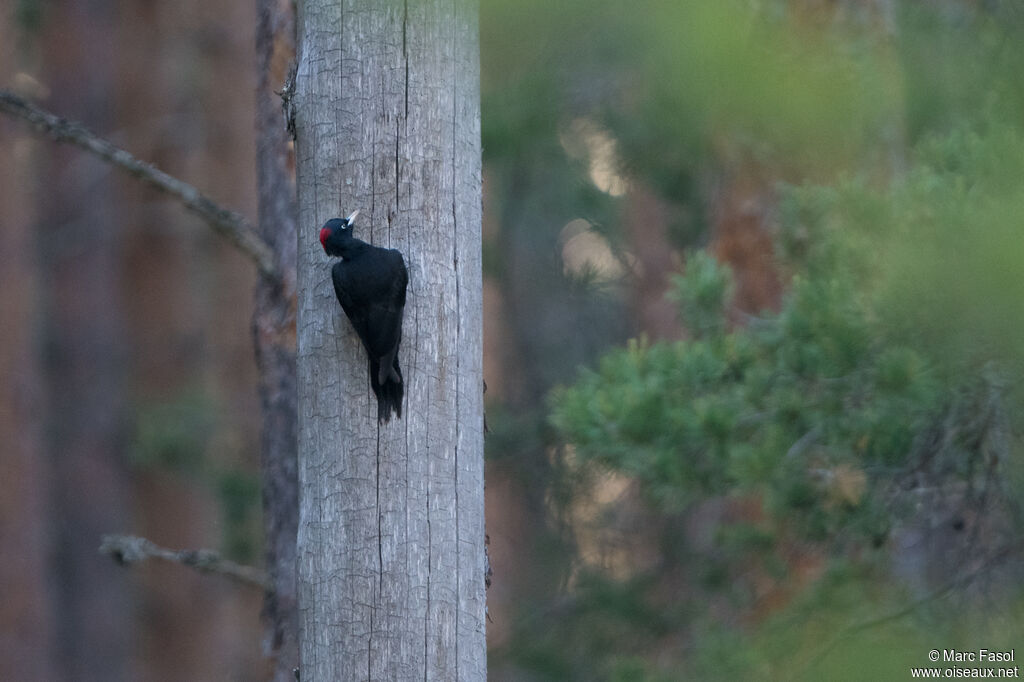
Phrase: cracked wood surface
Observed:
(391, 559)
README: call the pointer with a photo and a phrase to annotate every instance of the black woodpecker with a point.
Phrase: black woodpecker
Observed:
(370, 284)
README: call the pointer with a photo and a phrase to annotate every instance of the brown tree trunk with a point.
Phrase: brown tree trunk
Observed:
(274, 334)
(26, 616)
(79, 250)
(391, 532)
(647, 220)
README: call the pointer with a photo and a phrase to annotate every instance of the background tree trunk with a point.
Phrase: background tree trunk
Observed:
(79, 246)
(391, 528)
(274, 334)
(27, 622)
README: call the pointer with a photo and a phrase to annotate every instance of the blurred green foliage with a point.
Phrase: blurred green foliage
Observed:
(774, 408)
(29, 15)
(813, 413)
(176, 434)
(239, 495)
(173, 433)
(777, 461)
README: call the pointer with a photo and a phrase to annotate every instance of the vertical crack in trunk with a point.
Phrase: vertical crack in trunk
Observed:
(373, 185)
(426, 613)
(458, 324)
(398, 170)
(378, 596)
(405, 53)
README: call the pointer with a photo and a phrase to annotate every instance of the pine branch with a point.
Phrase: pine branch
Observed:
(229, 224)
(129, 549)
(955, 583)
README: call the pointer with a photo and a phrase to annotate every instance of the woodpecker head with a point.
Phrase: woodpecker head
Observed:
(336, 235)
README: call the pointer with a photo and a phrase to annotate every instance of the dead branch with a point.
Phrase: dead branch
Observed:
(129, 549)
(229, 224)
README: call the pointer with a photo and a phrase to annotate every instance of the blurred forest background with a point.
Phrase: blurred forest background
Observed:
(752, 323)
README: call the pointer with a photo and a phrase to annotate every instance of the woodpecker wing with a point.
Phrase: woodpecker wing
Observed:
(391, 312)
(371, 290)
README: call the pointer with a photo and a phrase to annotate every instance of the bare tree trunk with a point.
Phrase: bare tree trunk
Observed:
(647, 218)
(27, 622)
(274, 335)
(391, 528)
(26, 610)
(79, 243)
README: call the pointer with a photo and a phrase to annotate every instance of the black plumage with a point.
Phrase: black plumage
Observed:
(370, 284)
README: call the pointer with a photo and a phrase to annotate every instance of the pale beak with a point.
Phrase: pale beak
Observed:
(351, 217)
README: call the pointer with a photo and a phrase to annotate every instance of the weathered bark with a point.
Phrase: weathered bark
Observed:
(391, 532)
(274, 335)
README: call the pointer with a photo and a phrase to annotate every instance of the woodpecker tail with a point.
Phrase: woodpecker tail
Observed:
(389, 393)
